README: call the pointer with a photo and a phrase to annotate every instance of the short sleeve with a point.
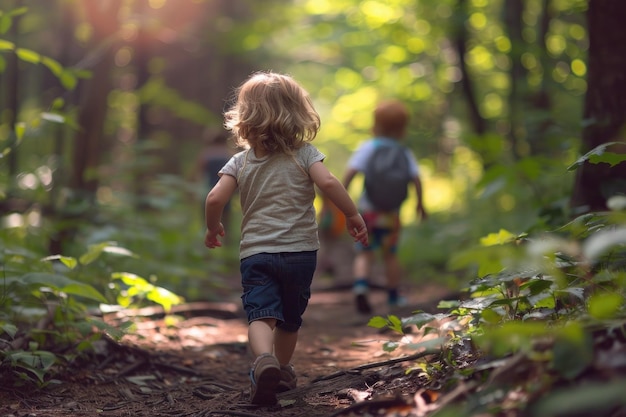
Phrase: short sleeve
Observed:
(233, 165)
(308, 155)
(413, 165)
(358, 159)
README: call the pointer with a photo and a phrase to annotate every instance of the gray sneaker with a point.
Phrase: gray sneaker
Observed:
(288, 378)
(264, 377)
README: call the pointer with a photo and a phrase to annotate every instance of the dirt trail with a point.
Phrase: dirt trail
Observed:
(198, 366)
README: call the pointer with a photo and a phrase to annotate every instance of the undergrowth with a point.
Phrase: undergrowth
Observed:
(541, 331)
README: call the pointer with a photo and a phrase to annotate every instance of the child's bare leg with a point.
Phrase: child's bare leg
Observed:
(284, 345)
(392, 270)
(361, 269)
(363, 264)
(393, 275)
(261, 336)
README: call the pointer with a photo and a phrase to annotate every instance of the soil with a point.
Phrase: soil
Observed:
(196, 363)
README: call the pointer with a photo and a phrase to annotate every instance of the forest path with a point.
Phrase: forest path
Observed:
(198, 365)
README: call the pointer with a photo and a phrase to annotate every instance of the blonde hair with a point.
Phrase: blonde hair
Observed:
(391, 118)
(274, 112)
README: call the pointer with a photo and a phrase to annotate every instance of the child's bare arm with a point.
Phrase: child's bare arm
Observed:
(214, 205)
(330, 186)
(417, 182)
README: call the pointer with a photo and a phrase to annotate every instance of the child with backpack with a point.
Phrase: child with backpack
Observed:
(388, 168)
(274, 118)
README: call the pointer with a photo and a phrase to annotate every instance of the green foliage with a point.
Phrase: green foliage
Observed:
(47, 306)
(546, 301)
(139, 289)
(349, 54)
(599, 155)
(67, 76)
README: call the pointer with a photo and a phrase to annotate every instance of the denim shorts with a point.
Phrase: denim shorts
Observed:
(278, 285)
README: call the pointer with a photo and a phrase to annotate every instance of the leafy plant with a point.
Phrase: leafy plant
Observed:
(546, 307)
(47, 307)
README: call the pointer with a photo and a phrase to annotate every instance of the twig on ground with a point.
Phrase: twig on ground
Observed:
(419, 355)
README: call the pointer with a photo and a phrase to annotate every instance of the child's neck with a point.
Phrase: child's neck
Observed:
(259, 152)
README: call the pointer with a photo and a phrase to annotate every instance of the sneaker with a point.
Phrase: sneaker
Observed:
(264, 377)
(398, 302)
(288, 378)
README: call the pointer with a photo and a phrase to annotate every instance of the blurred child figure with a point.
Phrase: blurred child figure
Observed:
(390, 123)
(334, 249)
(274, 118)
(214, 156)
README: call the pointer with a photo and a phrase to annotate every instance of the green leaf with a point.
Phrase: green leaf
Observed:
(605, 305)
(84, 290)
(597, 155)
(490, 316)
(28, 55)
(6, 45)
(68, 80)
(435, 343)
(609, 158)
(163, 297)
(131, 279)
(419, 319)
(55, 67)
(395, 323)
(93, 253)
(500, 238)
(37, 362)
(53, 117)
(9, 329)
(20, 129)
(377, 322)
(18, 12)
(116, 250)
(448, 304)
(46, 279)
(57, 103)
(5, 23)
(68, 261)
(577, 292)
(536, 286)
(116, 332)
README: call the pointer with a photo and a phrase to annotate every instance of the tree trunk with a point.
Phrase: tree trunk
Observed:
(479, 124)
(11, 106)
(605, 105)
(91, 117)
(513, 11)
(94, 100)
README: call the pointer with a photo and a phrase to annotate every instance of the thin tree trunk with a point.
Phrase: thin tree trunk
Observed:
(479, 124)
(94, 101)
(605, 105)
(11, 83)
(513, 12)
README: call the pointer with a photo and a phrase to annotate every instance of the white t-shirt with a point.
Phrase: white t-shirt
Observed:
(277, 196)
(359, 159)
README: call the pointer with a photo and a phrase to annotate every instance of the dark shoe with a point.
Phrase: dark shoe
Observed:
(360, 289)
(288, 378)
(264, 377)
(362, 304)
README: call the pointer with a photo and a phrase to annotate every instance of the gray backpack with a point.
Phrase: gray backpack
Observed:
(387, 176)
